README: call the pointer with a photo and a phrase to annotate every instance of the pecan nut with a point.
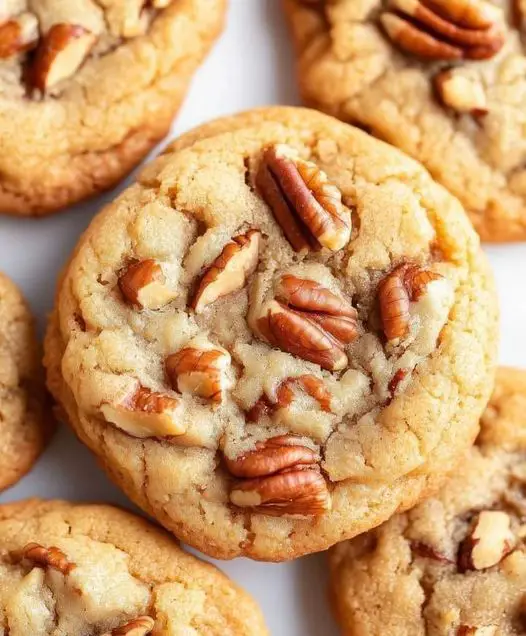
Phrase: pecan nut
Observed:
(444, 29)
(309, 321)
(405, 284)
(143, 284)
(140, 626)
(18, 35)
(305, 204)
(145, 413)
(199, 371)
(280, 477)
(482, 630)
(229, 272)
(60, 54)
(43, 557)
(488, 542)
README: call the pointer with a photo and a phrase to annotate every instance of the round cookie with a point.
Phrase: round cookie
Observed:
(88, 88)
(267, 400)
(443, 80)
(455, 564)
(24, 419)
(97, 570)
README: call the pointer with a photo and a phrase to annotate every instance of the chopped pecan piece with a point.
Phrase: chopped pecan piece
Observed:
(305, 204)
(60, 54)
(229, 272)
(428, 552)
(140, 626)
(445, 29)
(488, 542)
(463, 94)
(46, 557)
(18, 35)
(405, 284)
(199, 371)
(280, 477)
(145, 413)
(309, 321)
(484, 630)
(143, 284)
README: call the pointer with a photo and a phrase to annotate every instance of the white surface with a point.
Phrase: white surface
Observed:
(251, 66)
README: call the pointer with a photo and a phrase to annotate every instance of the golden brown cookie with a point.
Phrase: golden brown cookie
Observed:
(282, 334)
(24, 419)
(87, 88)
(456, 564)
(93, 569)
(443, 80)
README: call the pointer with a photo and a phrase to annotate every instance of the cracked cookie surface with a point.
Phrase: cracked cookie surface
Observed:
(448, 89)
(455, 564)
(283, 333)
(25, 423)
(95, 570)
(87, 88)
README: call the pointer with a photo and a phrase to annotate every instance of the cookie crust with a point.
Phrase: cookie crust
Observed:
(26, 424)
(349, 68)
(412, 576)
(119, 567)
(97, 125)
(370, 495)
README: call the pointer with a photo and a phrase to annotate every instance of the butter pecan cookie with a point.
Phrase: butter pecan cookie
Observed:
(87, 88)
(75, 570)
(282, 334)
(456, 564)
(25, 423)
(444, 80)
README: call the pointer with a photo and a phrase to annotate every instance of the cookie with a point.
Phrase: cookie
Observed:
(455, 564)
(443, 80)
(88, 89)
(25, 423)
(97, 570)
(282, 334)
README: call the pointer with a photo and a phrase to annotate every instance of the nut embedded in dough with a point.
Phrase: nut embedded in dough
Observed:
(46, 557)
(60, 53)
(144, 284)
(229, 272)
(199, 372)
(281, 476)
(444, 29)
(18, 35)
(145, 414)
(140, 626)
(489, 541)
(485, 630)
(306, 205)
(463, 94)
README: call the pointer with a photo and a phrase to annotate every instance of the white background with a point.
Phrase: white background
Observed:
(252, 65)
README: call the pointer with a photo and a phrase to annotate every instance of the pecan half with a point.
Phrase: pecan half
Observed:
(145, 413)
(199, 371)
(140, 626)
(309, 321)
(444, 29)
(60, 54)
(405, 284)
(46, 557)
(18, 35)
(305, 204)
(463, 94)
(229, 272)
(488, 542)
(281, 477)
(143, 284)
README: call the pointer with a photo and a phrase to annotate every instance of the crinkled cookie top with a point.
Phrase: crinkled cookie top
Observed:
(455, 564)
(443, 80)
(70, 570)
(274, 317)
(24, 420)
